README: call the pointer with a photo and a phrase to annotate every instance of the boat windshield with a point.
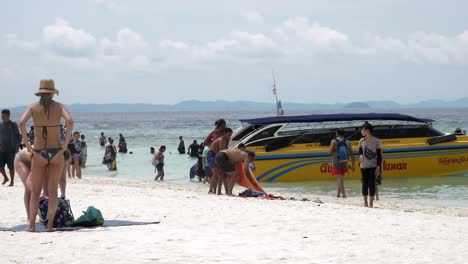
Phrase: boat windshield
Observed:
(323, 133)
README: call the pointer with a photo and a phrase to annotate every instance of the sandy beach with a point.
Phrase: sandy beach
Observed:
(199, 228)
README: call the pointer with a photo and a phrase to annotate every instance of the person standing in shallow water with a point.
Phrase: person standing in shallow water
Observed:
(84, 151)
(181, 147)
(160, 163)
(102, 140)
(48, 149)
(193, 149)
(122, 144)
(370, 156)
(110, 155)
(77, 155)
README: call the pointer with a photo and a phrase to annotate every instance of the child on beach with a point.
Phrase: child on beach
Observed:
(341, 150)
(159, 157)
(370, 156)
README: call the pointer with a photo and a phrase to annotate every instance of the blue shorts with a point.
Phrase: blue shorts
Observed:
(160, 167)
(7, 158)
(211, 159)
(207, 171)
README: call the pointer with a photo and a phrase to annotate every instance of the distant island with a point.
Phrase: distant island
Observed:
(194, 105)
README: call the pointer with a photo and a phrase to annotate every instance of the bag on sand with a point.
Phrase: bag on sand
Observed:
(63, 215)
(92, 217)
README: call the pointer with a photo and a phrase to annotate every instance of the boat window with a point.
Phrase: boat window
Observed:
(269, 132)
(246, 131)
(324, 136)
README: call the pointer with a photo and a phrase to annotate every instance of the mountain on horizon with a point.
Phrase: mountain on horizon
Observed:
(196, 105)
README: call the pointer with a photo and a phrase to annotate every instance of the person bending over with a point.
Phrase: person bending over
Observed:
(226, 161)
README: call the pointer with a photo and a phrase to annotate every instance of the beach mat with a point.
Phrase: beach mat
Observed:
(108, 223)
(247, 182)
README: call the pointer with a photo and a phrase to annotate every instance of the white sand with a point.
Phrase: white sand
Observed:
(198, 228)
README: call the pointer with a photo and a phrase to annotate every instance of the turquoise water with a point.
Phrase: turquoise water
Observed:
(143, 130)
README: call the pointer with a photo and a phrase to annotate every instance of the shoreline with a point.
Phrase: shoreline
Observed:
(200, 188)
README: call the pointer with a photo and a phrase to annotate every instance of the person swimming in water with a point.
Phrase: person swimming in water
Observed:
(46, 115)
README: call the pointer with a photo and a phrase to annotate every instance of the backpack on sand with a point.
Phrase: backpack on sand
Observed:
(92, 217)
(63, 215)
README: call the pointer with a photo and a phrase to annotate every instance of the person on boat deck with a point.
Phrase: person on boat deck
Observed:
(370, 157)
(102, 140)
(48, 149)
(23, 162)
(218, 145)
(226, 161)
(181, 147)
(160, 166)
(193, 149)
(341, 150)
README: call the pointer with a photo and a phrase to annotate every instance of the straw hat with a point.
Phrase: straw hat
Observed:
(46, 86)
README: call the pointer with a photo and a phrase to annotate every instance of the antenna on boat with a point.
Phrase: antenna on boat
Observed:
(279, 107)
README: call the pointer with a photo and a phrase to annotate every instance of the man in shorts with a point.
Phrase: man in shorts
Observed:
(226, 161)
(10, 141)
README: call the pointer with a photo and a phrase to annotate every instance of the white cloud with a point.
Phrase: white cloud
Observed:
(235, 46)
(67, 41)
(421, 47)
(253, 17)
(12, 41)
(126, 41)
(126, 38)
(315, 33)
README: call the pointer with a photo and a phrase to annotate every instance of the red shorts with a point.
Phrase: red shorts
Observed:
(336, 171)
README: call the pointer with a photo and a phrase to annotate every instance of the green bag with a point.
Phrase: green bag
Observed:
(92, 217)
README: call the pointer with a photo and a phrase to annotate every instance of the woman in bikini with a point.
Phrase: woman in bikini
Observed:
(23, 168)
(48, 148)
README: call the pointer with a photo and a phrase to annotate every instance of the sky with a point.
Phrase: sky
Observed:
(165, 52)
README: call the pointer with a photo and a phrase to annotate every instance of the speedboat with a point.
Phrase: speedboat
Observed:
(296, 148)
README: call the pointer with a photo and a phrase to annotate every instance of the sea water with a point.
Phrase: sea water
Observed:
(153, 129)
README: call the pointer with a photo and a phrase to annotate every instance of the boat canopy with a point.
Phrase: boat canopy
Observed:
(334, 118)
